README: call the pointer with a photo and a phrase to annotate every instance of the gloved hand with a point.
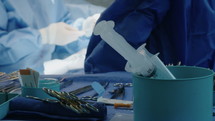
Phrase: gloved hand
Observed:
(59, 34)
(58, 66)
(89, 24)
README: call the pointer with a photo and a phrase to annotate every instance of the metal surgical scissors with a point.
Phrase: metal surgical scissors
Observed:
(71, 101)
(93, 98)
(119, 92)
(10, 76)
(123, 84)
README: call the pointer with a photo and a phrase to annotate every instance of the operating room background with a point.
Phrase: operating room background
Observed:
(80, 10)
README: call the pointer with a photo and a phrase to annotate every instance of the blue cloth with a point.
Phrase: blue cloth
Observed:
(74, 81)
(20, 40)
(181, 30)
(69, 78)
(25, 108)
(101, 77)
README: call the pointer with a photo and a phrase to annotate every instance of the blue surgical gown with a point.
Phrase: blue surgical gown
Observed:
(20, 40)
(180, 30)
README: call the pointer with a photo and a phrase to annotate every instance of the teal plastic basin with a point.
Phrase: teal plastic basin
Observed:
(5, 98)
(38, 92)
(187, 98)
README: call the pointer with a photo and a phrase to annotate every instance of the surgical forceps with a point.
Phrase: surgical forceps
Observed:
(119, 92)
(10, 87)
(10, 76)
(92, 98)
(123, 84)
(68, 100)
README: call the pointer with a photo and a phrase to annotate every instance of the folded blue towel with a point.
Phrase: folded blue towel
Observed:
(22, 108)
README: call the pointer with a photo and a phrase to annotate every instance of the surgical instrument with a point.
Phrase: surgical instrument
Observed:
(123, 84)
(44, 100)
(140, 61)
(119, 92)
(71, 101)
(10, 76)
(92, 98)
(113, 101)
(9, 87)
(85, 89)
(81, 90)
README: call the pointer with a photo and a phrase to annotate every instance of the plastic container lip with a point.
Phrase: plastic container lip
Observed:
(181, 79)
(4, 106)
(48, 81)
(15, 95)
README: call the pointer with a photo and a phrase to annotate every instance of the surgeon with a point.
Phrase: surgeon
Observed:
(180, 30)
(30, 30)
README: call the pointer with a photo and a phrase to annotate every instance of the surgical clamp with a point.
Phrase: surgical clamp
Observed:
(123, 84)
(68, 100)
(120, 91)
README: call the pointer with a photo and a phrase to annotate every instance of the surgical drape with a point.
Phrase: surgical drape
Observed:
(180, 30)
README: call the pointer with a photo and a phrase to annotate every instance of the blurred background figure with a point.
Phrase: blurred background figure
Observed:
(33, 32)
(180, 30)
(70, 58)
